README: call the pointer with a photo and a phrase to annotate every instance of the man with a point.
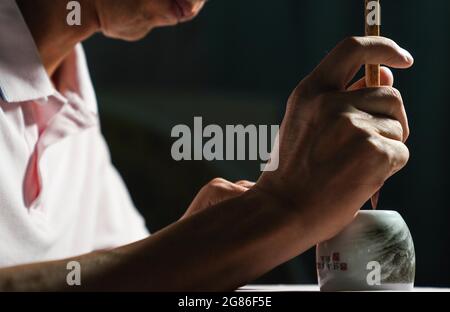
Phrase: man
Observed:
(60, 197)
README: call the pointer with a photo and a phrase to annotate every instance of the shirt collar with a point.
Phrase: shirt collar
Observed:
(22, 75)
(72, 79)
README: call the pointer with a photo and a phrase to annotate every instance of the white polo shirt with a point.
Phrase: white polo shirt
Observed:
(60, 196)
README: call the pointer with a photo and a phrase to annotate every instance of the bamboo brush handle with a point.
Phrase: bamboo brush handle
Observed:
(372, 70)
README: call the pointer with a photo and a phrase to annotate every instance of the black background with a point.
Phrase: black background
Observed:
(237, 63)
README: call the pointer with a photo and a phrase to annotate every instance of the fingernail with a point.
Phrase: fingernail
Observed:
(408, 57)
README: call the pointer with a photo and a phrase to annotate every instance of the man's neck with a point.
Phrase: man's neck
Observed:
(54, 38)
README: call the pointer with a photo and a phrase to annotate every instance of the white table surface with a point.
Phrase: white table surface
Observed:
(314, 288)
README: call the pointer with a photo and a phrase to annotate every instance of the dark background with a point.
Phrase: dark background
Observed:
(237, 63)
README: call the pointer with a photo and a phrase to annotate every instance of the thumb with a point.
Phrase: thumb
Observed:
(386, 78)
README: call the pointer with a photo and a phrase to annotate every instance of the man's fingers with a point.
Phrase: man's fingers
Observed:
(386, 79)
(383, 101)
(246, 184)
(388, 128)
(397, 153)
(342, 64)
(223, 189)
(216, 191)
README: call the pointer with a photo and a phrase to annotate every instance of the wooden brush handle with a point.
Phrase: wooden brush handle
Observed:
(372, 70)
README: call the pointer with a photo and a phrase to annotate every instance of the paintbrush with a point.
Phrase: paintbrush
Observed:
(372, 26)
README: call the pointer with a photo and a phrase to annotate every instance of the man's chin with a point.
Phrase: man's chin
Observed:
(131, 36)
(137, 33)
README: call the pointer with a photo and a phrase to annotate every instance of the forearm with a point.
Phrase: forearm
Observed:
(220, 248)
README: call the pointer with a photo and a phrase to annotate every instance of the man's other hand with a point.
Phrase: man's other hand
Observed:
(215, 192)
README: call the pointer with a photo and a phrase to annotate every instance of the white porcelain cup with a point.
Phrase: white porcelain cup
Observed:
(374, 253)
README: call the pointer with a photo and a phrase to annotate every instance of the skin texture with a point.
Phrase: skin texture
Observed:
(338, 145)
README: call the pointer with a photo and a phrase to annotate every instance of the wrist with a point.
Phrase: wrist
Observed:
(292, 214)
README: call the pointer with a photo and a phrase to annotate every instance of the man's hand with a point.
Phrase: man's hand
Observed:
(339, 144)
(216, 191)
